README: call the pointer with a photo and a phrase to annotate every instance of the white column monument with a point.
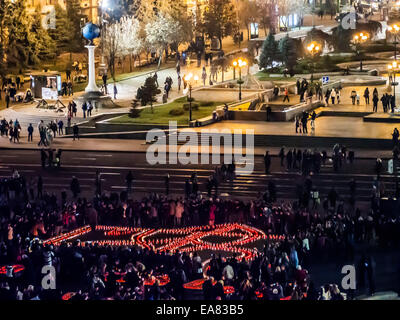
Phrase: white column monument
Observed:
(91, 87)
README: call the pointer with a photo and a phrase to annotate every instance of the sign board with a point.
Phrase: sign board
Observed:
(390, 166)
(325, 80)
(49, 94)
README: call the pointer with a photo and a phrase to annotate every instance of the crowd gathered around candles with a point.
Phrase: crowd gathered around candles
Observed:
(30, 214)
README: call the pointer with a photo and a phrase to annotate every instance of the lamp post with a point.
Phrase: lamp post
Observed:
(313, 48)
(394, 29)
(393, 68)
(240, 63)
(358, 39)
(189, 79)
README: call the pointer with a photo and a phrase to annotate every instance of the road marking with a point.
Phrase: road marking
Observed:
(92, 159)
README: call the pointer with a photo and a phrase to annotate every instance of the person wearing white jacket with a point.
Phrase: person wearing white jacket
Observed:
(333, 96)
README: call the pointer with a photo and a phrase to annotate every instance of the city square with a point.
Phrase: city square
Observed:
(212, 150)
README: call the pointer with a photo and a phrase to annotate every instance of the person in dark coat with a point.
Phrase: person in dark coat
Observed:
(267, 161)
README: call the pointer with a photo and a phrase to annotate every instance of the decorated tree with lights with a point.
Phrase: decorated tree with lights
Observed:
(131, 41)
(162, 32)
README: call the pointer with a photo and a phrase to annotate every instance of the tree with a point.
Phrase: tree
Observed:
(288, 52)
(269, 52)
(148, 92)
(113, 44)
(247, 12)
(68, 33)
(267, 14)
(18, 47)
(43, 46)
(161, 32)
(219, 19)
(134, 112)
(131, 41)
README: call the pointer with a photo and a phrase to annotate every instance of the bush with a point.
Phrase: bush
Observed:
(134, 112)
(186, 106)
(206, 103)
(176, 112)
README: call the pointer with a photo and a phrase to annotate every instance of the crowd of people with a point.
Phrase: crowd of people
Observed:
(29, 213)
(388, 100)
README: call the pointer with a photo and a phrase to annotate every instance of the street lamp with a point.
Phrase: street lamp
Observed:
(358, 39)
(394, 29)
(313, 48)
(189, 79)
(393, 68)
(240, 63)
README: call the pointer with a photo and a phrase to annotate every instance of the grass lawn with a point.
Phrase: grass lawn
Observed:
(161, 113)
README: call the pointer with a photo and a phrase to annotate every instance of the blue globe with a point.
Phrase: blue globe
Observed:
(91, 31)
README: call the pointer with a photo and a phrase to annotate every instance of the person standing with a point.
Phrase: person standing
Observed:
(43, 158)
(155, 77)
(115, 91)
(60, 127)
(204, 76)
(286, 95)
(353, 96)
(84, 109)
(30, 132)
(75, 187)
(104, 77)
(366, 95)
(75, 130)
(7, 100)
(313, 117)
(375, 100)
(333, 96)
(267, 162)
(179, 83)
(128, 180)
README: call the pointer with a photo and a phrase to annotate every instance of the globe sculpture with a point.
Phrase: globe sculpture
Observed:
(91, 31)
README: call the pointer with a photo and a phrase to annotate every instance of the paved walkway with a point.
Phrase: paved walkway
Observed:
(124, 145)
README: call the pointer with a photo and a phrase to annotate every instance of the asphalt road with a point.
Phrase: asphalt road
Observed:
(114, 166)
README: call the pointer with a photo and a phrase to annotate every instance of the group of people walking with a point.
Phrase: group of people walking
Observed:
(388, 100)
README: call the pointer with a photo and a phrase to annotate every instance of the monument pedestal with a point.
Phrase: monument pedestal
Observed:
(92, 92)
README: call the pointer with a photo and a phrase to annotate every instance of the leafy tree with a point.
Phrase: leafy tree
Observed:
(288, 52)
(68, 31)
(247, 13)
(269, 52)
(219, 19)
(18, 42)
(267, 14)
(43, 46)
(148, 92)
